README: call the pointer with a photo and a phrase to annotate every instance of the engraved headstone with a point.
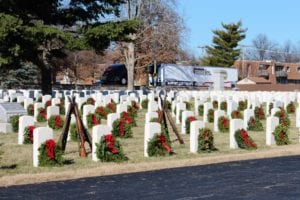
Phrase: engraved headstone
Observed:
(10, 109)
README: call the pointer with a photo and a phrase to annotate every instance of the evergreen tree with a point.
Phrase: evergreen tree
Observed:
(36, 31)
(224, 50)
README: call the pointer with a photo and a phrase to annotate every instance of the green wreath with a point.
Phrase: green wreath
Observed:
(42, 115)
(145, 104)
(188, 105)
(259, 113)
(243, 140)
(121, 129)
(255, 125)
(206, 141)
(223, 105)
(223, 124)
(110, 150)
(159, 145)
(242, 105)
(50, 154)
(101, 112)
(188, 123)
(290, 108)
(210, 115)
(56, 122)
(215, 104)
(281, 135)
(30, 109)
(28, 135)
(200, 110)
(236, 114)
(283, 118)
(73, 132)
(14, 120)
(92, 120)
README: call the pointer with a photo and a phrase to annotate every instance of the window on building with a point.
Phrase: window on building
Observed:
(288, 69)
(298, 69)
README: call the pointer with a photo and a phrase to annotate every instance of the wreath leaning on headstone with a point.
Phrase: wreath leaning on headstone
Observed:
(290, 108)
(259, 113)
(236, 114)
(283, 118)
(121, 129)
(255, 125)
(28, 135)
(42, 115)
(188, 123)
(109, 149)
(281, 135)
(200, 110)
(56, 122)
(206, 141)
(14, 120)
(159, 145)
(243, 140)
(223, 124)
(93, 120)
(210, 115)
(145, 104)
(30, 109)
(50, 154)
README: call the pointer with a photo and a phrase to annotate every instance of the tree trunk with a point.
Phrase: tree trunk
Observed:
(130, 60)
(46, 84)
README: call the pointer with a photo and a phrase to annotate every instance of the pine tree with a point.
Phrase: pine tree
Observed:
(224, 50)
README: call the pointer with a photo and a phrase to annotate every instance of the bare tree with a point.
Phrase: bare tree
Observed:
(158, 38)
(289, 52)
(265, 48)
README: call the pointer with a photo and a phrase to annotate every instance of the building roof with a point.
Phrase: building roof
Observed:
(259, 80)
(253, 80)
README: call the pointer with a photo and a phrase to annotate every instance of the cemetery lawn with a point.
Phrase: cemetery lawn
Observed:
(16, 160)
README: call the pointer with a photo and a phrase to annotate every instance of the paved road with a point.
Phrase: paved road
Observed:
(270, 179)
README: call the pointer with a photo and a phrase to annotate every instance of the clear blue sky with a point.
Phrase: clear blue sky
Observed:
(278, 19)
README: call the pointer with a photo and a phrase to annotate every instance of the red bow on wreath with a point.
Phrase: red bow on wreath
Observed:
(121, 127)
(94, 120)
(162, 139)
(246, 138)
(110, 143)
(50, 145)
(57, 121)
(30, 135)
(225, 122)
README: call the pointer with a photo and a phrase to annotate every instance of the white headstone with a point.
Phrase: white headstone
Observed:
(150, 115)
(52, 111)
(111, 118)
(152, 106)
(185, 115)
(27, 102)
(179, 107)
(151, 129)
(98, 132)
(194, 133)
(274, 111)
(55, 101)
(298, 117)
(272, 122)
(121, 108)
(46, 98)
(231, 106)
(87, 109)
(235, 124)
(248, 113)
(206, 107)
(24, 121)
(40, 136)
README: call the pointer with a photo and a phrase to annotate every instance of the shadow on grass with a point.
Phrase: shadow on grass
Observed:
(14, 166)
(69, 162)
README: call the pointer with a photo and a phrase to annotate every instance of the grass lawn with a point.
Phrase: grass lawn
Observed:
(16, 161)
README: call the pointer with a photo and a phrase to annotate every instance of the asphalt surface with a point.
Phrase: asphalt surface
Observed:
(270, 179)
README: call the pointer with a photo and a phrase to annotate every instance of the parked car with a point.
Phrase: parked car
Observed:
(114, 74)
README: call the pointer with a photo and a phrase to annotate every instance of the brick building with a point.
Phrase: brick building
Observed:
(280, 76)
